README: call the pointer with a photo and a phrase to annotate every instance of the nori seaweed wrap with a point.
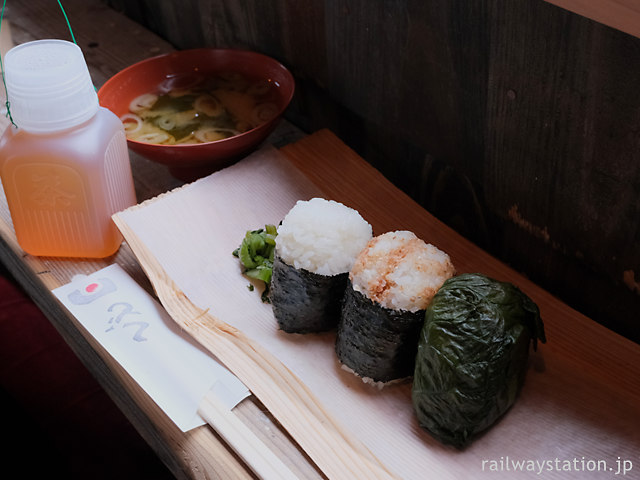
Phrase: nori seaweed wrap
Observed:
(303, 301)
(391, 283)
(472, 356)
(377, 342)
(318, 241)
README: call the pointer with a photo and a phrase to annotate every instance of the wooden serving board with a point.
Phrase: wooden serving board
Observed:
(581, 401)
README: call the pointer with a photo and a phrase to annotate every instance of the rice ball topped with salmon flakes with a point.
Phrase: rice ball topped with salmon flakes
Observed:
(391, 283)
(400, 271)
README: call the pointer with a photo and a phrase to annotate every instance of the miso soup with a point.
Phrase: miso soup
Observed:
(193, 108)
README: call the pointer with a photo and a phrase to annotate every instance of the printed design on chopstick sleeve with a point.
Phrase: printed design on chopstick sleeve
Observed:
(92, 291)
(127, 309)
(118, 312)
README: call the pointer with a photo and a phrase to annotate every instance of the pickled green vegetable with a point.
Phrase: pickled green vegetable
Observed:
(256, 254)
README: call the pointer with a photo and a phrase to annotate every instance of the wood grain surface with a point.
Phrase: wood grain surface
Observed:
(623, 15)
(111, 42)
(514, 122)
(584, 368)
(586, 341)
(516, 95)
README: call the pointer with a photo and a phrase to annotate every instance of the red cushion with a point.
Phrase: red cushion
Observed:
(55, 405)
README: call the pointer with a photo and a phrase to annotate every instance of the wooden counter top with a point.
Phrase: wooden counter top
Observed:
(118, 43)
(612, 361)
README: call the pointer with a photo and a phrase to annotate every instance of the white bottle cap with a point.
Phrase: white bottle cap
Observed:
(49, 86)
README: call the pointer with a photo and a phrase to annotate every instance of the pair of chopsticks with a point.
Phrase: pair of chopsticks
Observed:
(264, 463)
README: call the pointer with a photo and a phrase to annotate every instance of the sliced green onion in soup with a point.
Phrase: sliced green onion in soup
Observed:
(184, 118)
(188, 140)
(132, 123)
(143, 102)
(188, 109)
(209, 105)
(212, 134)
(161, 138)
(166, 122)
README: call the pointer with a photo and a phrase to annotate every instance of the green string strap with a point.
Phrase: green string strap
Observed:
(73, 38)
(6, 103)
(67, 20)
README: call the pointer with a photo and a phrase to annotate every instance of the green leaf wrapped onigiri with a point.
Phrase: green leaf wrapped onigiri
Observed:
(472, 356)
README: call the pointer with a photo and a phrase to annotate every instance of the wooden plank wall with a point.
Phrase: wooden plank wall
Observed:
(621, 14)
(515, 121)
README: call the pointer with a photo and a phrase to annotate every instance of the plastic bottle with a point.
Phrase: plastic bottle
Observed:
(65, 169)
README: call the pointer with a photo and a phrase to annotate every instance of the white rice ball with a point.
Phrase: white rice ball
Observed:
(322, 236)
(400, 271)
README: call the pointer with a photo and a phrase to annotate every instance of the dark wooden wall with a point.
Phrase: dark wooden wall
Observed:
(514, 121)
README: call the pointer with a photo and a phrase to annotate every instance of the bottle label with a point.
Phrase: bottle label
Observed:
(51, 213)
(50, 187)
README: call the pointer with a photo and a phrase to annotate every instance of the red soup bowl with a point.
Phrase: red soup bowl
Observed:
(178, 73)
